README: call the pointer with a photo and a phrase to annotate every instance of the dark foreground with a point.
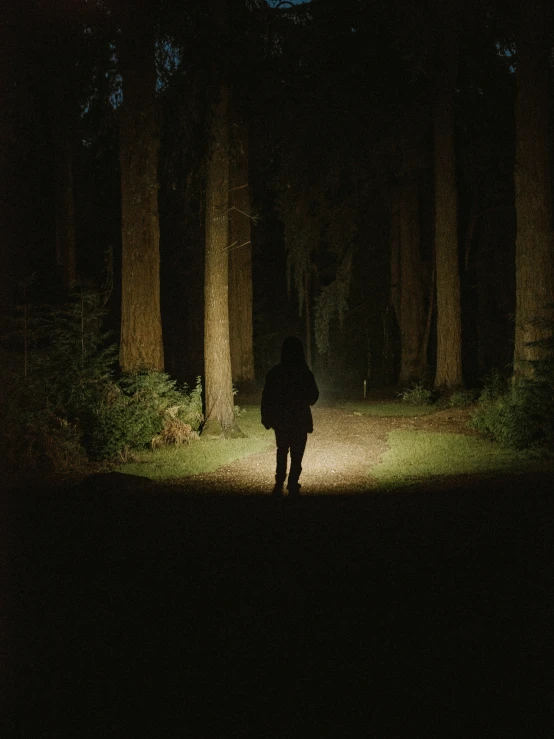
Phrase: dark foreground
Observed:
(143, 612)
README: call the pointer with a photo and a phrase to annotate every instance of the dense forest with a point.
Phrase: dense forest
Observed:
(186, 183)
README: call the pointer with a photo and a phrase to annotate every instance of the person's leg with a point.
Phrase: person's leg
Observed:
(282, 443)
(297, 447)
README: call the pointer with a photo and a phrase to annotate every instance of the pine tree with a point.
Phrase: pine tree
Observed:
(535, 237)
(141, 344)
(449, 329)
(220, 418)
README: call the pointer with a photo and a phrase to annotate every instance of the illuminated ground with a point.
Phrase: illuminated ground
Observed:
(136, 610)
(339, 458)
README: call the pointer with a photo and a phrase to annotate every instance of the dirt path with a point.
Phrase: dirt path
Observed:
(340, 453)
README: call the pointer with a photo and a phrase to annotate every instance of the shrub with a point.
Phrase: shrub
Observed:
(55, 363)
(495, 386)
(40, 440)
(144, 409)
(461, 398)
(73, 358)
(61, 401)
(417, 394)
(523, 416)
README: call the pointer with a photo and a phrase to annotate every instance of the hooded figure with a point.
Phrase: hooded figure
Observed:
(289, 391)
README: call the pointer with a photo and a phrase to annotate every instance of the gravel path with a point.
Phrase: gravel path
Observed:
(339, 455)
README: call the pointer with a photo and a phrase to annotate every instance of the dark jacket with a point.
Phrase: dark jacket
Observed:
(289, 391)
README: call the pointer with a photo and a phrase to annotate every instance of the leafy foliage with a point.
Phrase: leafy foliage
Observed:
(495, 386)
(58, 362)
(144, 409)
(62, 402)
(73, 358)
(417, 394)
(461, 398)
(520, 416)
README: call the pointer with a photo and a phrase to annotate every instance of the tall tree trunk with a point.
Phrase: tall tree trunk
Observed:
(449, 330)
(394, 244)
(240, 255)
(217, 354)
(412, 309)
(141, 327)
(535, 238)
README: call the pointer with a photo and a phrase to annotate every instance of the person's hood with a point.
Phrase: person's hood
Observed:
(292, 352)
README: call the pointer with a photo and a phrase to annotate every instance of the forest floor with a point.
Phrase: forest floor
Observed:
(339, 457)
(138, 609)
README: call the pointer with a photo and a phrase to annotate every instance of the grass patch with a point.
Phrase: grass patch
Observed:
(417, 455)
(387, 409)
(204, 455)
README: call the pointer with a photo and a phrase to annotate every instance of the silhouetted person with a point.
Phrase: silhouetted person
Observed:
(289, 391)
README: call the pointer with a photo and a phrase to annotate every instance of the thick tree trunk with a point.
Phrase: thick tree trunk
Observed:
(412, 309)
(240, 257)
(220, 417)
(449, 332)
(394, 244)
(141, 327)
(535, 239)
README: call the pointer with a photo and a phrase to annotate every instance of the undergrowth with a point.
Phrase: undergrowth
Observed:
(520, 415)
(417, 394)
(203, 457)
(63, 402)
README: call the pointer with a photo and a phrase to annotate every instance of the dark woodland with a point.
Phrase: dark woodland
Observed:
(388, 181)
(183, 184)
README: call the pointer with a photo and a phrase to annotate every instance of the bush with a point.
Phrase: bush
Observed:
(522, 416)
(61, 402)
(144, 409)
(73, 358)
(39, 440)
(461, 398)
(417, 394)
(495, 386)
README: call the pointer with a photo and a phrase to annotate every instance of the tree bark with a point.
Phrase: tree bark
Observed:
(394, 243)
(141, 327)
(240, 256)
(535, 239)
(449, 330)
(412, 310)
(220, 417)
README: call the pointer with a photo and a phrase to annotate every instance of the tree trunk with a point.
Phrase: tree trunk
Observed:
(220, 417)
(141, 327)
(240, 257)
(394, 243)
(412, 310)
(535, 239)
(449, 332)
